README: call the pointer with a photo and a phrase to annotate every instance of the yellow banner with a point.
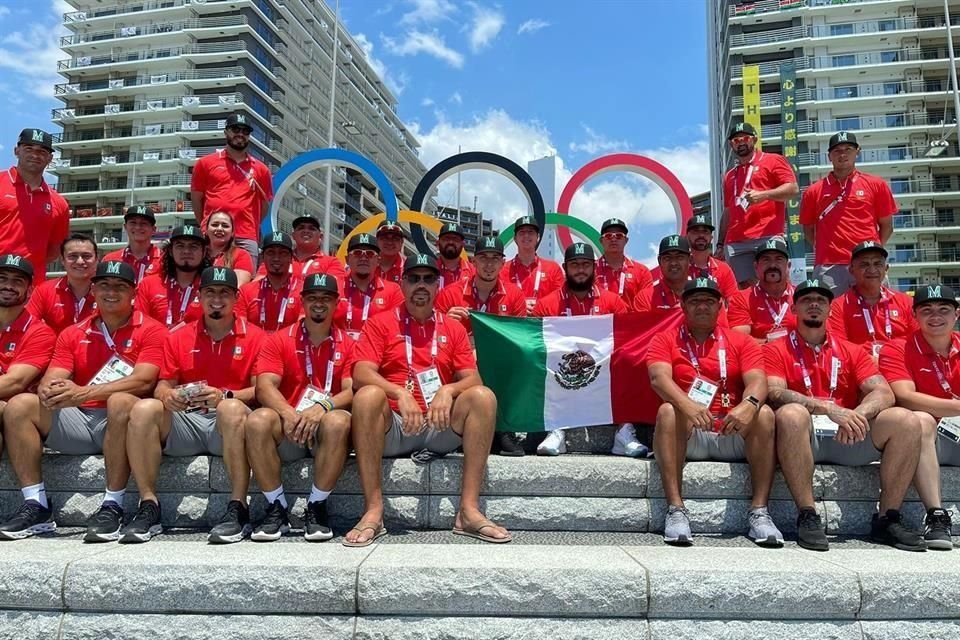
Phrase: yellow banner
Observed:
(751, 98)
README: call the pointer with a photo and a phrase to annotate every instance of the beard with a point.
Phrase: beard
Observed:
(188, 268)
(812, 324)
(701, 245)
(216, 314)
(586, 285)
(318, 316)
(769, 272)
(742, 150)
(20, 299)
(449, 251)
(239, 146)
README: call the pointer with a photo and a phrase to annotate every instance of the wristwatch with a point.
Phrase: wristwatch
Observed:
(754, 401)
(227, 394)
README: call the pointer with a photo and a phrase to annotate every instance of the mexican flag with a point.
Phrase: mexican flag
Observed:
(568, 371)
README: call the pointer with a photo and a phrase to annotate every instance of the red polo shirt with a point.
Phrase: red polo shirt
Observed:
(167, 302)
(464, 271)
(626, 281)
(504, 300)
(560, 303)
(742, 354)
(386, 296)
(317, 263)
(54, 303)
(32, 220)
(393, 274)
(856, 366)
(142, 267)
(541, 278)
(238, 188)
(753, 307)
(766, 171)
(26, 341)
(382, 343)
(847, 319)
(241, 260)
(191, 355)
(914, 359)
(268, 308)
(82, 350)
(865, 200)
(285, 354)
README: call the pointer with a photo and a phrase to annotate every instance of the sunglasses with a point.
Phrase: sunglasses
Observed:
(412, 278)
(360, 254)
(614, 235)
(244, 130)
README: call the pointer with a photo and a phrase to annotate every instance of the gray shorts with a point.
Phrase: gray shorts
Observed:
(709, 445)
(948, 452)
(740, 257)
(77, 431)
(397, 443)
(192, 434)
(848, 455)
(835, 276)
(251, 247)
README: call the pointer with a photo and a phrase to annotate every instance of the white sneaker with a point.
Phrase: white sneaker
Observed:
(762, 529)
(626, 443)
(554, 444)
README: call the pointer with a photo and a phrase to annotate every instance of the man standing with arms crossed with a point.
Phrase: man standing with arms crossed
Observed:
(754, 195)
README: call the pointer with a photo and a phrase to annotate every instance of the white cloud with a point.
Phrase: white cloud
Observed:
(532, 26)
(428, 11)
(485, 26)
(456, 98)
(597, 143)
(32, 54)
(395, 84)
(432, 44)
(4, 11)
(427, 102)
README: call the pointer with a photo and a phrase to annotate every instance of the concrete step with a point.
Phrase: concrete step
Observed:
(566, 493)
(60, 588)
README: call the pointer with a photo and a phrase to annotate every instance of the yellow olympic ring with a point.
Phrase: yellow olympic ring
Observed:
(404, 215)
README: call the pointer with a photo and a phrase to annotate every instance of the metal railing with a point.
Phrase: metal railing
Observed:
(151, 29)
(114, 184)
(123, 9)
(924, 220)
(155, 79)
(932, 254)
(878, 154)
(158, 129)
(142, 55)
(864, 123)
(940, 184)
(186, 154)
(853, 91)
(827, 31)
(769, 6)
(168, 102)
(830, 61)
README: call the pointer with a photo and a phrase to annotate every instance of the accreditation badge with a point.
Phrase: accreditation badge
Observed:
(949, 428)
(430, 383)
(702, 391)
(310, 397)
(115, 369)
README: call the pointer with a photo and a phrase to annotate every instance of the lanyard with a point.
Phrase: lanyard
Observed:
(142, 263)
(667, 303)
(536, 278)
(604, 266)
(408, 342)
(746, 182)
(184, 301)
(868, 319)
(784, 306)
(306, 268)
(366, 305)
(721, 354)
(78, 303)
(107, 337)
(840, 197)
(455, 273)
(805, 370)
(308, 351)
(263, 302)
(935, 362)
(566, 300)
(476, 297)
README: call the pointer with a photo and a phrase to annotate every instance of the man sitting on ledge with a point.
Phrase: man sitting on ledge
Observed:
(419, 392)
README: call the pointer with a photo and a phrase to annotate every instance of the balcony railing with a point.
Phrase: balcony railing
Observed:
(146, 156)
(770, 6)
(84, 62)
(155, 79)
(833, 30)
(169, 102)
(113, 184)
(878, 154)
(853, 91)
(924, 220)
(933, 254)
(158, 129)
(124, 9)
(864, 123)
(150, 29)
(937, 184)
(841, 60)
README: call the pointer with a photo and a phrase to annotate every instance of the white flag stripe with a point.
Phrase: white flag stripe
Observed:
(590, 404)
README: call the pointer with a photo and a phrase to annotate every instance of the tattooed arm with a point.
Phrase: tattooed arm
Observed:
(877, 396)
(779, 395)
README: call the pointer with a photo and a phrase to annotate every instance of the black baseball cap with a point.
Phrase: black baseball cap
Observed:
(38, 137)
(238, 120)
(526, 221)
(934, 293)
(696, 285)
(115, 269)
(740, 128)
(388, 226)
(321, 282)
(842, 137)
(301, 219)
(451, 227)
(773, 244)
(363, 240)
(812, 286)
(579, 251)
(700, 220)
(277, 239)
(868, 245)
(13, 262)
(421, 261)
(187, 231)
(140, 211)
(674, 243)
(219, 277)
(490, 244)
(611, 223)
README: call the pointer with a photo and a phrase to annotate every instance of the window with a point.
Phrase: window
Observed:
(905, 253)
(942, 183)
(841, 29)
(898, 152)
(887, 25)
(845, 92)
(946, 218)
(895, 120)
(847, 123)
(904, 284)
(890, 56)
(900, 185)
(891, 88)
(845, 60)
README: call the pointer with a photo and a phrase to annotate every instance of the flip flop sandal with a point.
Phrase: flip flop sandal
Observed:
(474, 531)
(367, 526)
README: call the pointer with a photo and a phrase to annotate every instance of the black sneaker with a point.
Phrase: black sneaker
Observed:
(936, 529)
(810, 533)
(315, 526)
(30, 519)
(144, 525)
(889, 529)
(104, 525)
(234, 526)
(275, 524)
(508, 444)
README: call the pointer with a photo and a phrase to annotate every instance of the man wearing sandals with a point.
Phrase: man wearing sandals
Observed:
(419, 392)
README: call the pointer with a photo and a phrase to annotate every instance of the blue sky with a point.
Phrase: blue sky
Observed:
(522, 78)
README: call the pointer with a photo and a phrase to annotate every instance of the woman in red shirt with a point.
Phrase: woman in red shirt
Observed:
(222, 249)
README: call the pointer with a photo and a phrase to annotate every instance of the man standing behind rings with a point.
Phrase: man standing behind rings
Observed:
(140, 252)
(842, 210)
(763, 310)
(308, 257)
(537, 277)
(271, 302)
(754, 193)
(615, 271)
(453, 266)
(365, 295)
(390, 240)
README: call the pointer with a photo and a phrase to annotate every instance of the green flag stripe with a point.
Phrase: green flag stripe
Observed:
(512, 361)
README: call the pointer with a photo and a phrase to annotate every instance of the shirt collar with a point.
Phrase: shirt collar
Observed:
(16, 179)
(22, 321)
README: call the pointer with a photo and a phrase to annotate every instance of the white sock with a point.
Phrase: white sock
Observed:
(114, 496)
(316, 495)
(276, 494)
(37, 493)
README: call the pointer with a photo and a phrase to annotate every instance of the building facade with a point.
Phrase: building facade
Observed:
(474, 225)
(879, 68)
(147, 85)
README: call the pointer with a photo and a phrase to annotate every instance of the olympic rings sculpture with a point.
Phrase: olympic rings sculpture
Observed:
(299, 166)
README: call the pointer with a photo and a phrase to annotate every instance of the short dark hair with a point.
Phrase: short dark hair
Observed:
(80, 237)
